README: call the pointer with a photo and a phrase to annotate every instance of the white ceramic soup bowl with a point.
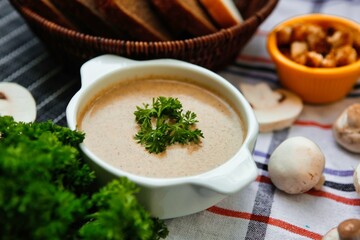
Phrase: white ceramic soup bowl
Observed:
(170, 197)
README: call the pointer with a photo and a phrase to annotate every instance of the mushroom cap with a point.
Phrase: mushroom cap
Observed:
(17, 101)
(349, 229)
(296, 165)
(346, 129)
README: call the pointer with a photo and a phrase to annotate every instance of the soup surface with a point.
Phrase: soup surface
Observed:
(109, 124)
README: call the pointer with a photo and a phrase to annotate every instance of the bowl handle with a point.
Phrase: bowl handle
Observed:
(239, 176)
(100, 66)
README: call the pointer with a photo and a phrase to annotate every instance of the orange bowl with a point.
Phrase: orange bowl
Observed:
(314, 85)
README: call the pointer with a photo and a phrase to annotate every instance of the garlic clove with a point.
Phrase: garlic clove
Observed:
(274, 110)
(17, 101)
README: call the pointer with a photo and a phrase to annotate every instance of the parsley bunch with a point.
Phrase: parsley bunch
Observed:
(47, 190)
(164, 124)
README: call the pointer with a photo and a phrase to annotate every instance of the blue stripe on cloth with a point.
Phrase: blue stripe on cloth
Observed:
(341, 187)
(262, 166)
(353, 95)
(25, 60)
(318, 5)
(253, 75)
(340, 173)
(261, 154)
(264, 196)
(255, 68)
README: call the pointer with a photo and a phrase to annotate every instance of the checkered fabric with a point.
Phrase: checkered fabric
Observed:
(259, 211)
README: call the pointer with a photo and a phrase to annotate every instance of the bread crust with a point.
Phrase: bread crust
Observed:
(48, 10)
(90, 20)
(133, 25)
(180, 17)
(223, 12)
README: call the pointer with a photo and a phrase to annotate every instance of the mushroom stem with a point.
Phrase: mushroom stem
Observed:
(357, 179)
(320, 183)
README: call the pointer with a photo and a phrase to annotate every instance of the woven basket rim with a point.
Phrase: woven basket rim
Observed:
(257, 18)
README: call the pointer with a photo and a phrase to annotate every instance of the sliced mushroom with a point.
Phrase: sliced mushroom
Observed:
(296, 165)
(17, 101)
(346, 128)
(274, 110)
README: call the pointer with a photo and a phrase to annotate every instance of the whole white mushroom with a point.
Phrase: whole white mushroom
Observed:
(346, 128)
(296, 165)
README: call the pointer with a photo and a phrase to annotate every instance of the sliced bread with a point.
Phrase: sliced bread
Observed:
(184, 16)
(49, 11)
(223, 12)
(136, 18)
(85, 13)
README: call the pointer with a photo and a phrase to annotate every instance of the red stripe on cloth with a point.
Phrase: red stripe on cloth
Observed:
(263, 179)
(314, 124)
(272, 221)
(347, 201)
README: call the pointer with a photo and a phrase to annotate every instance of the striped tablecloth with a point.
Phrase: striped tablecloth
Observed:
(260, 211)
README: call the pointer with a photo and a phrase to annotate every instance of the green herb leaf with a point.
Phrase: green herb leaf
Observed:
(165, 124)
(47, 190)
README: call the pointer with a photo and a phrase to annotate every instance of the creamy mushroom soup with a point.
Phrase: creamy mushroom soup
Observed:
(109, 124)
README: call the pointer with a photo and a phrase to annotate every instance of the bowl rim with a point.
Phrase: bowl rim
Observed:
(280, 58)
(245, 148)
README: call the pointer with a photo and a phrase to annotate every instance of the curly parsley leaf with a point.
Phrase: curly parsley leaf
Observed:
(164, 124)
(118, 199)
(47, 190)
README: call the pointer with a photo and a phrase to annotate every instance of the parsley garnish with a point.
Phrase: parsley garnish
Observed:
(48, 191)
(165, 124)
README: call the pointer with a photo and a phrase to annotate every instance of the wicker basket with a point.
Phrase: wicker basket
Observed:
(212, 51)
